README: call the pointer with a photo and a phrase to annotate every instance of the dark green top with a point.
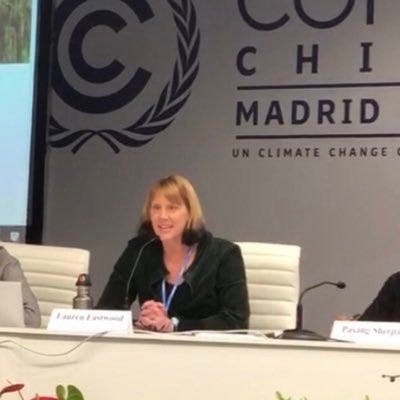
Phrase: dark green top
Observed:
(213, 294)
(386, 305)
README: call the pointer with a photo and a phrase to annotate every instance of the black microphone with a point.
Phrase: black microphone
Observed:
(299, 333)
(299, 311)
(128, 283)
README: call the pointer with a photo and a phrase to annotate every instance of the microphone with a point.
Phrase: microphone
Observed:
(128, 283)
(299, 311)
(299, 333)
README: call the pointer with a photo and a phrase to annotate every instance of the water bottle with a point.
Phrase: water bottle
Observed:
(83, 299)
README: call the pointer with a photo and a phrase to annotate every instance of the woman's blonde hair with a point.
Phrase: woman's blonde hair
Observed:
(177, 189)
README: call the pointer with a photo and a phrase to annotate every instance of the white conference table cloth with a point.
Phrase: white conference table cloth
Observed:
(165, 366)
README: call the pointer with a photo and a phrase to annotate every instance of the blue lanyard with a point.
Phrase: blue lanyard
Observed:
(167, 300)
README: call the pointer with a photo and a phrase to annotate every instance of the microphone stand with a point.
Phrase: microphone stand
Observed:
(298, 333)
(127, 304)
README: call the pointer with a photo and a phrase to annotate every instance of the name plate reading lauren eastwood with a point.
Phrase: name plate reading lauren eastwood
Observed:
(367, 332)
(90, 321)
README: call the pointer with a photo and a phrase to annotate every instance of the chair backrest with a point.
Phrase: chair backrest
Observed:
(273, 283)
(51, 273)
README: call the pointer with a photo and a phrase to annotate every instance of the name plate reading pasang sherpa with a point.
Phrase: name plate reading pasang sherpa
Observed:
(90, 321)
(367, 332)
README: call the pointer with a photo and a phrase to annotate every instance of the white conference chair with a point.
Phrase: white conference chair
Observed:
(51, 272)
(273, 283)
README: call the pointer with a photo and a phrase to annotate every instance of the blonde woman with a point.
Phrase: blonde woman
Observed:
(183, 277)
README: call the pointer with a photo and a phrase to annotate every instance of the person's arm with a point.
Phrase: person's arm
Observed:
(382, 308)
(232, 297)
(13, 272)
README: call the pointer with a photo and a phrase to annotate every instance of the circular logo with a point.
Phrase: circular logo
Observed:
(97, 89)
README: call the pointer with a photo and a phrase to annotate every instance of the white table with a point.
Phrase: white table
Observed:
(164, 366)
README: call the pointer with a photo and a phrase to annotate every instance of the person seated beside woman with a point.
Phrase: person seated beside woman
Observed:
(183, 276)
(10, 270)
(386, 305)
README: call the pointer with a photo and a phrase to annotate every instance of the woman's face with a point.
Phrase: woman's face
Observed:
(168, 219)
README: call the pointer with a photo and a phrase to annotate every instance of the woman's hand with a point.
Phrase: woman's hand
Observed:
(153, 316)
(347, 317)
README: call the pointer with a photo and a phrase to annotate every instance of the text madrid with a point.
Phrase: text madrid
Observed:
(315, 152)
(324, 112)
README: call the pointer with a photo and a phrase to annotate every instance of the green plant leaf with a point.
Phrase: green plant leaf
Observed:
(279, 396)
(74, 393)
(60, 392)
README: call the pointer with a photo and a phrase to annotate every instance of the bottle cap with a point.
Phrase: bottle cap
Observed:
(83, 280)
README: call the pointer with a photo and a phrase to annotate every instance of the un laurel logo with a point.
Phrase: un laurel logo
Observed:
(159, 115)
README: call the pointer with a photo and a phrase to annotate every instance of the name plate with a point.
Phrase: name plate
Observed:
(90, 321)
(367, 332)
